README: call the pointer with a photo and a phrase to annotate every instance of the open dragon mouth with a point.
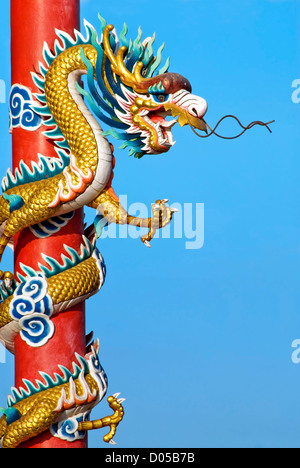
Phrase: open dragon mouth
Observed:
(161, 129)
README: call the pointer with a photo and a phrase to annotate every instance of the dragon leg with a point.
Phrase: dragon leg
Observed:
(111, 209)
(109, 421)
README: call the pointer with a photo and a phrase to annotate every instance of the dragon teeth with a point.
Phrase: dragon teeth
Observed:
(169, 124)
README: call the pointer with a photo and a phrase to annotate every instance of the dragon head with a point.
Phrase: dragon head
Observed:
(148, 101)
(139, 102)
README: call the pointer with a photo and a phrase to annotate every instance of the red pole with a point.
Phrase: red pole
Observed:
(32, 23)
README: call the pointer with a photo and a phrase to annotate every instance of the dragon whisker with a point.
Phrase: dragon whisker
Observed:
(213, 130)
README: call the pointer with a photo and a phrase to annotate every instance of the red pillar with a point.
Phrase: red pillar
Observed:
(32, 23)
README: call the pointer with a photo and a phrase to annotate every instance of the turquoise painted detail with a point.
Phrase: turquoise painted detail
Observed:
(45, 168)
(12, 414)
(54, 267)
(15, 202)
(157, 88)
(20, 394)
(100, 223)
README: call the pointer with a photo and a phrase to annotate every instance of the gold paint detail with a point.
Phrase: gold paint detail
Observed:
(114, 212)
(134, 80)
(109, 421)
(184, 118)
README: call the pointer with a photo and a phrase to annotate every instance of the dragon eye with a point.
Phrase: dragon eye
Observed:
(160, 98)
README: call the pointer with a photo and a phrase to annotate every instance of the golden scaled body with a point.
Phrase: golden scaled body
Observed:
(64, 109)
(40, 411)
(72, 284)
(38, 195)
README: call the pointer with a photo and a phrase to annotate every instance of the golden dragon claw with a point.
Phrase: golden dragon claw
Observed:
(109, 421)
(161, 216)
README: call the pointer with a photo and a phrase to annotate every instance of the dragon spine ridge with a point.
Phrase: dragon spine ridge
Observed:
(19, 394)
(54, 267)
(46, 167)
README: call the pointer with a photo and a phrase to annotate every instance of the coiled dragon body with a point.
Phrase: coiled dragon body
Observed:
(62, 403)
(123, 90)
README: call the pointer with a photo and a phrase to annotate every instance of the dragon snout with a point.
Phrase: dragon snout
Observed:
(196, 109)
(197, 106)
(189, 108)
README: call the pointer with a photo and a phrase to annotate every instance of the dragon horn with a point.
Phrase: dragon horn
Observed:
(133, 80)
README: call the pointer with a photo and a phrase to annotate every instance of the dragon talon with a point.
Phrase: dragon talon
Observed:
(156, 207)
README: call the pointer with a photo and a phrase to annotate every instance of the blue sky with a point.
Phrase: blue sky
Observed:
(199, 341)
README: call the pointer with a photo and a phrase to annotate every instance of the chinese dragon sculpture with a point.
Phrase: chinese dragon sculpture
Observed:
(129, 91)
(125, 91)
